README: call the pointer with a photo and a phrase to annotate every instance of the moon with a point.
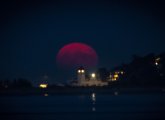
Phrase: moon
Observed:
(77, 54)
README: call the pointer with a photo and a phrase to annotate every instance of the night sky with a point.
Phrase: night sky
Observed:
(31, 34)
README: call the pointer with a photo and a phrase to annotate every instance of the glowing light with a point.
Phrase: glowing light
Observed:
(79, 71)
(43, 85)
(93, 97)
(116, 75)
(156, 63)
(93, 75)
(74, 54)
(122, 72)
(114, 79)
(82, 71)
(117, 72)
(157, 59)
(45, 94)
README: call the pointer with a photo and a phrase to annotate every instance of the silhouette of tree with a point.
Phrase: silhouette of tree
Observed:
(21, 83)
(103, 74)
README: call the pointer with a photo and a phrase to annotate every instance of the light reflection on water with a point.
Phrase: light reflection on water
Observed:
(46, 94)
(94, 105)
(116, 93)
(93, 97)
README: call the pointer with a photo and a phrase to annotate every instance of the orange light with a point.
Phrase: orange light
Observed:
(43, 85)
(113, 79)
(116, 75)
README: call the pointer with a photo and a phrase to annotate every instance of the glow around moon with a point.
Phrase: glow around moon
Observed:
(76, 54)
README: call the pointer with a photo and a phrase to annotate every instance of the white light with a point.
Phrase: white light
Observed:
(82, 71)
(79, 71)
(93, 97)
(93, 75)
(156, 63)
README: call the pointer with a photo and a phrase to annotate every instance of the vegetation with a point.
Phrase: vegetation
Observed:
(143, 71)
(17, 83)
(146, 71)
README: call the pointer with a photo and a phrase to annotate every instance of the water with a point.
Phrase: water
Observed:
(82, 107)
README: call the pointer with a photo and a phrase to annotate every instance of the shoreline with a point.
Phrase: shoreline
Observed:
(77, 90)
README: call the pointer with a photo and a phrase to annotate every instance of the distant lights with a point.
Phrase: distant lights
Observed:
(157, 60)
(156, 63)
(81, 71)
(93, 95)
(46, 95)
(93, 75)
(114, 79)
(43, 85)
(116, 76)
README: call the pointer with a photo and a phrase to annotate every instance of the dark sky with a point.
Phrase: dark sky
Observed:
(31, 33)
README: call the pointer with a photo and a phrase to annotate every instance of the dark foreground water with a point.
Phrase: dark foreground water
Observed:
(83, 107)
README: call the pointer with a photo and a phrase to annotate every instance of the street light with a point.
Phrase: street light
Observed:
(79, 71)
(82, 71)
(93, 75)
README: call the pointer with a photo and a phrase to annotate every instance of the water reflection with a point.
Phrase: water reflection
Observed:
(46, 95)
(93, 109)
(93, 97)
(116, 93)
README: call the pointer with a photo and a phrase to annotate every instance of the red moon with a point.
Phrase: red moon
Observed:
(76, 54)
